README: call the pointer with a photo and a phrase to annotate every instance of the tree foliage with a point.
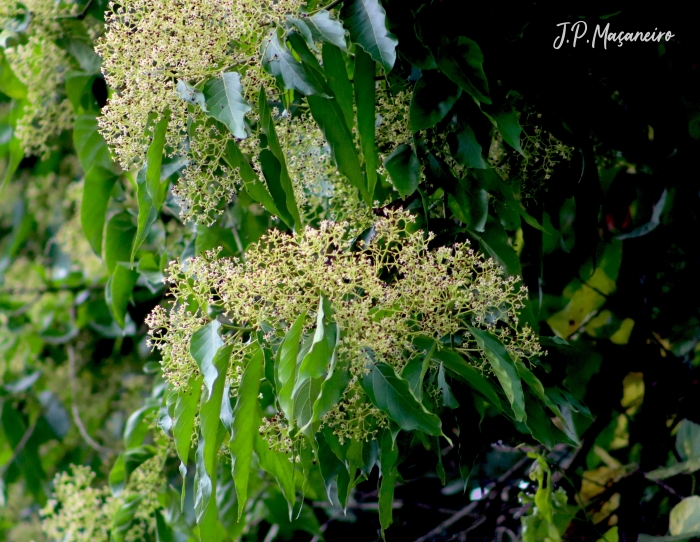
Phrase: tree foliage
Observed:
(279, 270)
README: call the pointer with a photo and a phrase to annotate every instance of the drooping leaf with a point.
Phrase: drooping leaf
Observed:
(204, 345)
(157, 189)
(462, 62)
(509, 127)
(316, 361)
(331, 120)
(433, 97)
(125, 464)
(494, 242)
(365, 20)
(186, 407)
(268, 127)
(124, 517)
(290, 74)
(338, 81)
(278, 465)
(390, 393)
(365, 100)
(305, 394)
(404, 169)
(225, 102)
(448, 399)
(325, 29)
(504, 368)
(93, 207)
(466, 149)
(388, 454)
(90, 145)
(118, 240)
(286, 366)
(210, 438)
(328, 462)
(147, 212)
(244, 430)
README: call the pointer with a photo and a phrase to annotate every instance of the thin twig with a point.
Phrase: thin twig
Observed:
(74, 407)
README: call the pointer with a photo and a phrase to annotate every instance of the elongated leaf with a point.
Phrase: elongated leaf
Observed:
(448, 399)
(331, 121)
(466, 149)
(268, 127)
(328, 462)
(245, 427)
(90, 145)
(125, 464)
(365, 20)
(204, 345)
(390, 393)
(389, 453)
(404, 169)
(147, 212)
(157, 190)
(433, 97)
(286, 366)
(118, 239)
(225, 102)
(338, 80)
(365, 100)
(304, 397)
(186, 406)
(93, 208)
(303, 29)
(504, 368)
(315, 363)
(278, 465)
(209, 444)
(279, 62)
(462, 62)
(537, 388)
(509, 127)
(325, 29)
(272, 171)
(494, 242)
(301, 48)
(332, 389)
(455, 363)
(251, 182)
(124, 518)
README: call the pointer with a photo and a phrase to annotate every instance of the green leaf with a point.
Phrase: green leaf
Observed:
(462, 62)
(126, 463)
(391, 394)
(466, 149)
(164, 533)
(448, 399)
(388, 457)
(365, 20)
(278, 465)
(191, 95)
(494, 243)
(332, 388)
(404, 169)
(301, 48)
(272, 171)
(268, 127)
(503, 367)
(286, 366)
(331, 120)
(537, 388)
(124, 518)
(225, 103)
(118, 239)
(183, 421)
(137, 427)
(688, 439)
(685, 516)
(290, 74)
(305, 394)
(316, 361)
(89, 144)
(365, 99)
(209, 444)
(245, 426)
(157, 190)
(147, 212)
(328, 462)
(433, 97)
(509, 127)
(338, 80)
(251, 182)
(325, 29)
(685, 467)
(93, 208)
(204, 345)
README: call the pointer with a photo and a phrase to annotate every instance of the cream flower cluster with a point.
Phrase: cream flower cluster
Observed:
(41, 65)
(148, 48)
(383, 297)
